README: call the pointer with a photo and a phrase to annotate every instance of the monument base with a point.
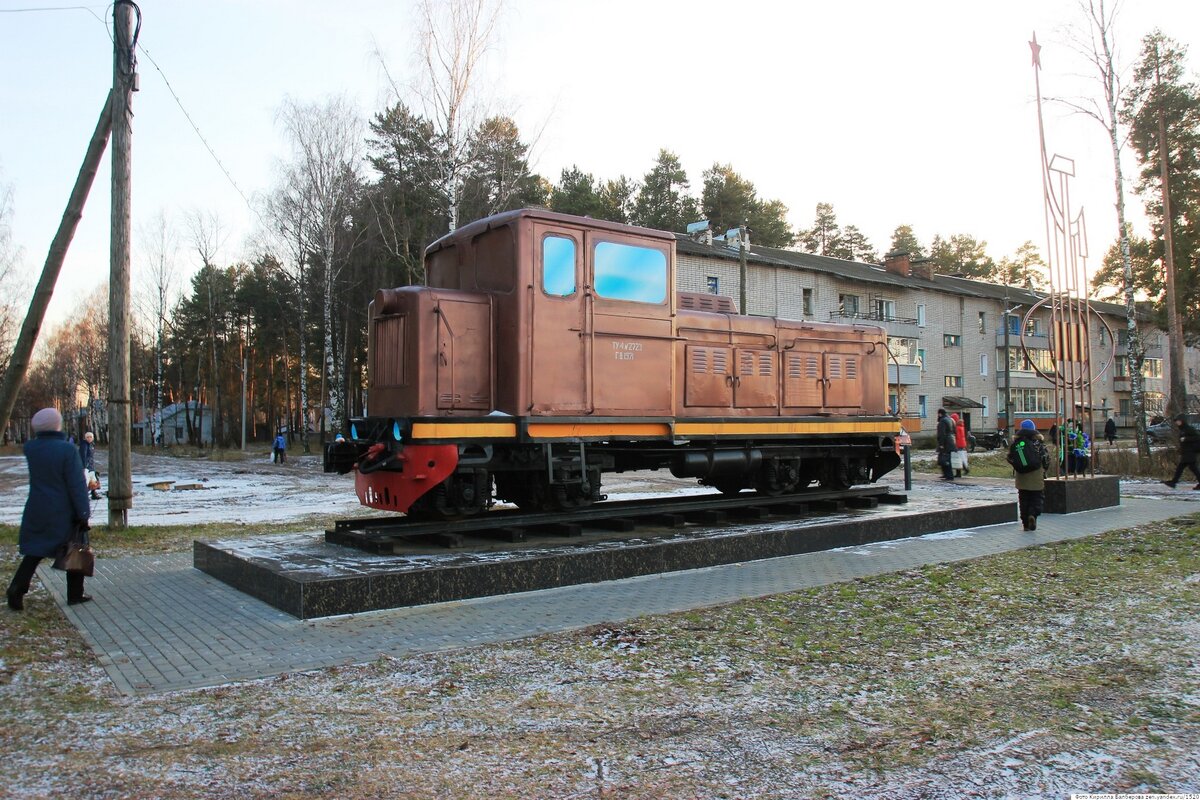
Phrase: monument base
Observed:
(1067, 496)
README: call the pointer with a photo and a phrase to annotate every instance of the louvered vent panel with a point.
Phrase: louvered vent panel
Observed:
(699, 361)
(720, 362)
(795, 366)
(851, 369)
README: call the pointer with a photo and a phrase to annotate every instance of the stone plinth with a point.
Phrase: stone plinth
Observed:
(1069, 495)
(307, 577)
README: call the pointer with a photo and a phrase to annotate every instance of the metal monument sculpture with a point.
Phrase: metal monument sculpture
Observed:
(1072, 320)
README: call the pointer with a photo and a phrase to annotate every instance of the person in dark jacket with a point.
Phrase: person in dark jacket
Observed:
(1189, 448)
(1028, 448)
(57, 504)
(945, 443)
(1110, 431)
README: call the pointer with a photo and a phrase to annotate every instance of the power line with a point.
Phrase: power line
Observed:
(200, 135)
(170, 88)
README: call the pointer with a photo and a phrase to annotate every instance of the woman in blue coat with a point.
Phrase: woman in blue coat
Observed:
(58, 502)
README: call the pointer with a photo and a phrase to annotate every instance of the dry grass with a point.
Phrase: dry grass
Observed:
(1062, 668)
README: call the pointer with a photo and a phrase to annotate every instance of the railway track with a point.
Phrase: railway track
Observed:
(394, 534)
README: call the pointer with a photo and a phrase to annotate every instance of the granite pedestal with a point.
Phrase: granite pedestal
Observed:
(307, 577)
(1070, 495)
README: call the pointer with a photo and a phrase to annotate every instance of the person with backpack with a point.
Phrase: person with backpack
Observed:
(1189, 448)
(279, 449)
(1029, 461)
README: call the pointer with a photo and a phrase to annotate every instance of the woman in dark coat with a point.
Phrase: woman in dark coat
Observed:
(58, 502)
(1110, 430)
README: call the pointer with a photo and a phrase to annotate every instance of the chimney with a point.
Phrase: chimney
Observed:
(922, 268)
(898, 262)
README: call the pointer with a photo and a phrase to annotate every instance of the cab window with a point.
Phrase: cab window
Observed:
(558, 266)
(629, 272)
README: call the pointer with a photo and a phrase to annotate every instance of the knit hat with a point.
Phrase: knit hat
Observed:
(48, 419)
(1027, 425)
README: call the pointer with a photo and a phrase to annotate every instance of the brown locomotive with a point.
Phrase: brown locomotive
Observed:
(550, 349)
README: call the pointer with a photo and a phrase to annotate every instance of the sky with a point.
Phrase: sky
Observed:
(916, 113)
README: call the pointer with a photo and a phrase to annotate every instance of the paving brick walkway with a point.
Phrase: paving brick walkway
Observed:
(158, 624)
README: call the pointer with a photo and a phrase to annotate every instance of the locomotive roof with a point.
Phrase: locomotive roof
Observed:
(507, 217)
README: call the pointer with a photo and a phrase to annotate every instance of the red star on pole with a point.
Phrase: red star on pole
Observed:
(1037, 52)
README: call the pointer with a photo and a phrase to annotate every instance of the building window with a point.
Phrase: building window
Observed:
(983, 322)
(893, 403)
(1032, 328)
(921, 314)
(951, 340)
(921, 358)
(1126, 406)
(922, 406)
(178, 433)
(885, 309)
(1123, 337)
(1014, 325)
(1019, 361)
(1103, 336)
(1030, 401)
(806, 296)
(983, 364)
(1121, 367)
(903, 350)
(1152, 368)
(714, 284)
(984, 412)
(848, 305)
(954, 381)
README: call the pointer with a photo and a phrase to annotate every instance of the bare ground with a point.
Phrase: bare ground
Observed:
(1071, 667)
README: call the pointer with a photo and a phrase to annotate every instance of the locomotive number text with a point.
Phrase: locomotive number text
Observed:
(624, 351)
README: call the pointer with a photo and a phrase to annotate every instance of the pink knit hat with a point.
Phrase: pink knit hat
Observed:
(48, 419)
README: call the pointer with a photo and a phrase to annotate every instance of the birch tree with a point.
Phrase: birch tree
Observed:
(1094, 41)
(327, 152)
(288, 209)
(455, 36)
(160, 248)
(10, 256)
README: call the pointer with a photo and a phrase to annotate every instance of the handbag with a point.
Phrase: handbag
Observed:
(77, 554)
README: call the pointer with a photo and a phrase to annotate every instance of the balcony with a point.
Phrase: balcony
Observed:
(1036, 341)
(895, 326)
(906, 375)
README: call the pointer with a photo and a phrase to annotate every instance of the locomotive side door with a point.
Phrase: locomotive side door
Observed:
(843, 377)
(630, 326)
(557, 345)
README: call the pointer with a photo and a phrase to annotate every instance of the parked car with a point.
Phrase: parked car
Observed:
(1164, 432)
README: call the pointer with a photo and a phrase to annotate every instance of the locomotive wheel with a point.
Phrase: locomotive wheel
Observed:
(454, 498)
(778, 477)
(836, 475)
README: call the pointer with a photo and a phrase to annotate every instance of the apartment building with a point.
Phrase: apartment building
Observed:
(946, 334)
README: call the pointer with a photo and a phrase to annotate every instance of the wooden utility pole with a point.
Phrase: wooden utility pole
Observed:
(120, 478)
(18, 365)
